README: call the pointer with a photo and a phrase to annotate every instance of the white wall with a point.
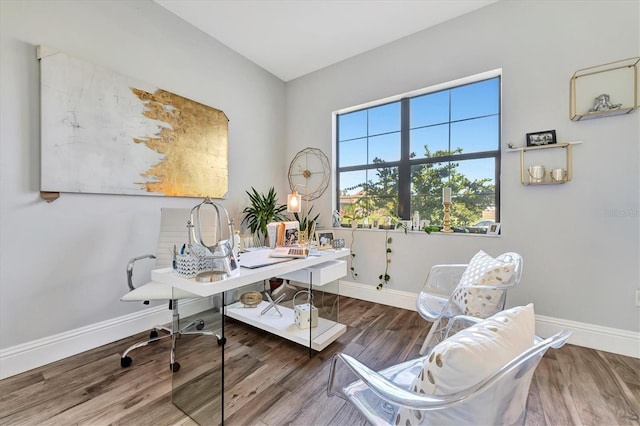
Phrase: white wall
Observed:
(62, 265)
(581, 262)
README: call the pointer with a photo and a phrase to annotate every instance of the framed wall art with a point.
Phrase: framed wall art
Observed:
(103, 132)
(546, 137)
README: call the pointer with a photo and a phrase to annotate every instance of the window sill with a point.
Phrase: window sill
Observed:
(400, 230)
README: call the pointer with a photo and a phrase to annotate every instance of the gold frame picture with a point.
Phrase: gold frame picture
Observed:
(324, 240)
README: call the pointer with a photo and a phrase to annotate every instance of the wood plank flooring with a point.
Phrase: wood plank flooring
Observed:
(270, 381)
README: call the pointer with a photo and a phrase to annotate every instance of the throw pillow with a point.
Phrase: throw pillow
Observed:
(470, 356)
(483, 270)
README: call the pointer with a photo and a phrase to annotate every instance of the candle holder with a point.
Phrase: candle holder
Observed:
(447, 217)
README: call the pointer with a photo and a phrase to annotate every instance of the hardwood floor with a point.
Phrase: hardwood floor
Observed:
(270, 381)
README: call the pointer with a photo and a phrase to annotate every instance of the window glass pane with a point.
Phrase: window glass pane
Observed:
(384, 119)
(482, 170)
(472, 185)
(352, 153)
(427, 181)
(480, 134)
(475, 100)
(353, 195)
(436, 139)
(384, 147)
(382, 192)
(429, 109)
(473, 191)
(382, 207)
(352, 125)
(352, 183)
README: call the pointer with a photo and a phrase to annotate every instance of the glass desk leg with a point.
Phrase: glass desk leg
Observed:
(198, 368)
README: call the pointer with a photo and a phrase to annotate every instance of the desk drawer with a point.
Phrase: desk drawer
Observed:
(322, 273)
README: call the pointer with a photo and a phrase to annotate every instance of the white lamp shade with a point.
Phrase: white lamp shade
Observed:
(294, 202)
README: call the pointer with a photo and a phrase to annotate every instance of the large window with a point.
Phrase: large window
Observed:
(394, 157)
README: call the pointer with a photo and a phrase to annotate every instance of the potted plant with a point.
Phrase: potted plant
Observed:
(263, 210)
(307, 222)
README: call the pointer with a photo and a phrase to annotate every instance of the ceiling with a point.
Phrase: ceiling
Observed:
(291, 38)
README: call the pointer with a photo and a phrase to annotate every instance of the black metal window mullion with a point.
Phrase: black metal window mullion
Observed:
(404, 169)
(337, 152)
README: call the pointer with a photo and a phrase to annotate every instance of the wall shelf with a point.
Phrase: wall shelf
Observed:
(604, 90)
(568, 149)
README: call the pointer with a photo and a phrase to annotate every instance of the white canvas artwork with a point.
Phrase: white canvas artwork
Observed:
(106, 133)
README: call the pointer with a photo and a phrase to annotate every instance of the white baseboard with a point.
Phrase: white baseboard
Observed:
(592, 336)
(20, 358)
(386, 296)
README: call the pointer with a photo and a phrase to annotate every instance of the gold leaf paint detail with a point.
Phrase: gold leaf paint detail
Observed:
(194, 142)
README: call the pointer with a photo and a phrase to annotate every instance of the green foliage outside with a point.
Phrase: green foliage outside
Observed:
(380, 196)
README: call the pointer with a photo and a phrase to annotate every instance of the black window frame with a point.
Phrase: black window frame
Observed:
(406, 163)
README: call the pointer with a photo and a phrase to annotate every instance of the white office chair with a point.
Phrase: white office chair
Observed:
(173, 233)
(435, 301)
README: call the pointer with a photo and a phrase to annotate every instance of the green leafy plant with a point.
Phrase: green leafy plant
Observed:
(305, 221)
(429, 229)
(263, 209)
(354, 274)
(385, 277)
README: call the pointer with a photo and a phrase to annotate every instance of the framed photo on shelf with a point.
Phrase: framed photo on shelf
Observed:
(324, 239)
(493, 229)
(546, 137)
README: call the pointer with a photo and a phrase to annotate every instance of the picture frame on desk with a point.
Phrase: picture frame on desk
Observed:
(324, 239)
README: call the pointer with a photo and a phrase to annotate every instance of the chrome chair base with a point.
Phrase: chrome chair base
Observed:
(126, 360)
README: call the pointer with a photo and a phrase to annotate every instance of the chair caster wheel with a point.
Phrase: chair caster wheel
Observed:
(125, 361)
(175, 367)
(153, 334)
(222, 341)
(200, 325)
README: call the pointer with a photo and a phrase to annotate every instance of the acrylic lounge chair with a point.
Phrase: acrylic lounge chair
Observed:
(388, 397)
(436, 302)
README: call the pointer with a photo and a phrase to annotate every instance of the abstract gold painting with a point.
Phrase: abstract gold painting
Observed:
(103, 132)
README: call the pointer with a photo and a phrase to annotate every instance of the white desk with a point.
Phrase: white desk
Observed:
(197, 373)
(245, 276)
(298, 269)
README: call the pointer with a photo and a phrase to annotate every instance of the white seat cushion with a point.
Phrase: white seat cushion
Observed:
(472, 355)
(156, 291)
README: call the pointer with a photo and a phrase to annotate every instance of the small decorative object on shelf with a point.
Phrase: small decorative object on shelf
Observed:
(494, 229)
(558, 175)
(305, 315)
(446, 202)
(595, 89)
(338, 243)
(251, 299)
(602, 103)
(537, 172)
(337, 219)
